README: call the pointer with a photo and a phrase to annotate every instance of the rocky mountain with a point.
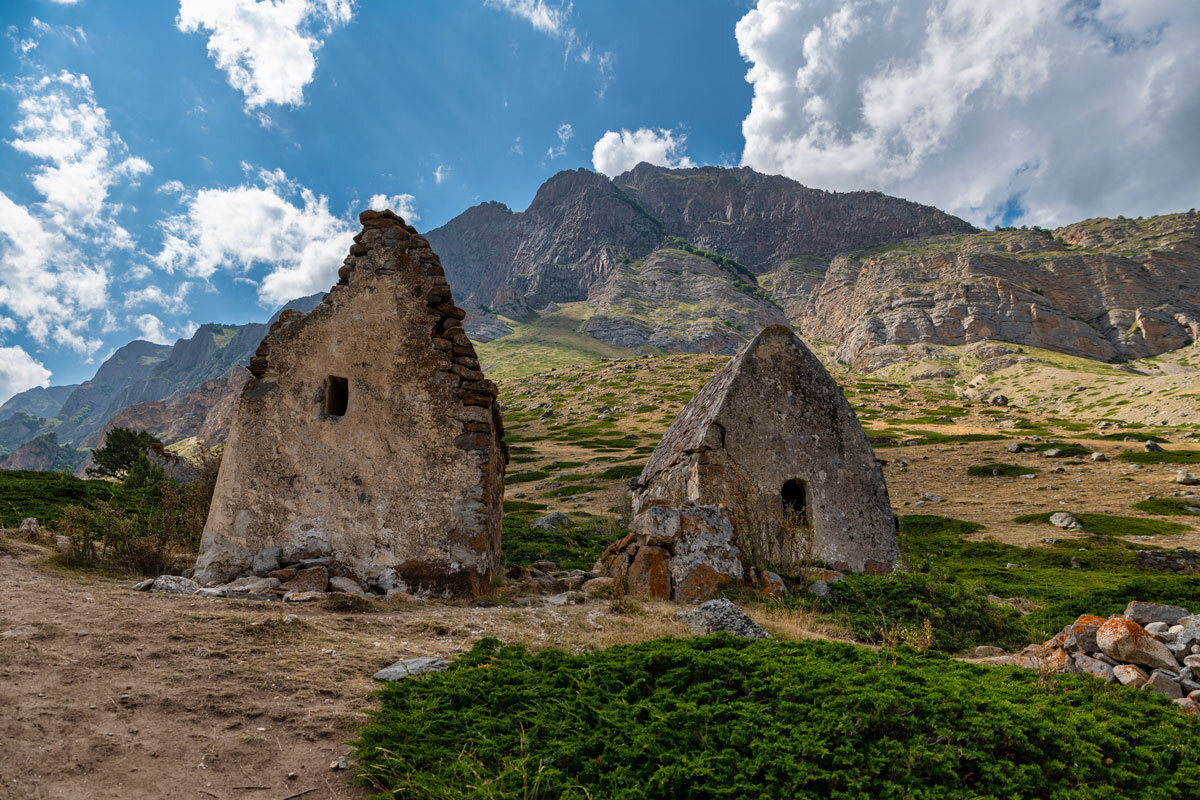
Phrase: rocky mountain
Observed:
(1111, 290)
(44, 453)
(90, 404)
(170, 389)
(586, 238)
(38, 401)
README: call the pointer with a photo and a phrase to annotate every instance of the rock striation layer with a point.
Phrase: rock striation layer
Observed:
(367, 434)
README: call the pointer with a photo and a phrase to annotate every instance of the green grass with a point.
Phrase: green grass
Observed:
(1170, 506)
(527, 477)
(1001, 470)
(1161, 457)
(1110, 525)
(724, 718)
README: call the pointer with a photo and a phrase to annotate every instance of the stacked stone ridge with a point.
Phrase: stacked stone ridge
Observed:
(773, 443)
(367, 439)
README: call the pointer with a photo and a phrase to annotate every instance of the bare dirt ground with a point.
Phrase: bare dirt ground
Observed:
(111, 693)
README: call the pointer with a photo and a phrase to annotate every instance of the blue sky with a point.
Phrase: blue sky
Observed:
(172, 163)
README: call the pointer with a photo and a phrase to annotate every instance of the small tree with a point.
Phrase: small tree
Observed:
(120, 452)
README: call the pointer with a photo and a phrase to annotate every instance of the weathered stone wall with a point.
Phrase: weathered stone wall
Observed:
(773, 415)
(403, 490)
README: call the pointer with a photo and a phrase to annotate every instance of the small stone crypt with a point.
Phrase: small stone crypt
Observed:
(367, 438)
(767, 466)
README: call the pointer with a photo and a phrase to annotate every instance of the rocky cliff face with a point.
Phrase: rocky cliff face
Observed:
(90, 404)
(581, 229)
(768, 221)
(204, 413)
(1106, 289)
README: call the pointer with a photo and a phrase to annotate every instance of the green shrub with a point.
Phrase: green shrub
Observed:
(570, 547)
(904, 607)
(572, 490)
(1170, 506)
(719, 717)
(526, 477)
(1001, 470)
(1110, 525)
(45, 495)
(1161, 457)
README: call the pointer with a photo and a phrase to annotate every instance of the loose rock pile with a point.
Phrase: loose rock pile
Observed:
(300, 581)
(1151, 646)
(682, 553)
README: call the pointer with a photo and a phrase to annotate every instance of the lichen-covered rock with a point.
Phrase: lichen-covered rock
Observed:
(1127, 641)
(1131, 675)
(1065, 520)
(650, 573)
(682, 553)
(719, 615)
(367, 433)
(1094, 667)
(773, 437)
(1145, 613)
(408, 667)
(174, 584)
(313, 579)
(29, 527)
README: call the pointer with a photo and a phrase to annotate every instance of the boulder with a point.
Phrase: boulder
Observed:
(251, 585)
(1145, 613)
(1042, 659)
(1081, 634)
(705, 554)
(408, 667)
(1094, 667)
(551, 522)
(174, 584)
(1129, 675)
(650, 573)
(1066, 521)
(718, 615)
(1099, 457)
(313, 579)
(819, 589)
(347, 585)
(266, 561)
(771, 584)
(597, 586)
(1127, 641)
(1152, 446)
(304, 597)
(988, 651)
(1164, 684)
(1186, 478)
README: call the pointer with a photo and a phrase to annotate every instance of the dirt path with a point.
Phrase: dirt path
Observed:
(110, 693)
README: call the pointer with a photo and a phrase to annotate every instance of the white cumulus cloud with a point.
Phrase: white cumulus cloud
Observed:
(267, 48)
(403, 204)
(19, 371)
(618, 151)
(268, 221)
(1053, 110)
(55, 253)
